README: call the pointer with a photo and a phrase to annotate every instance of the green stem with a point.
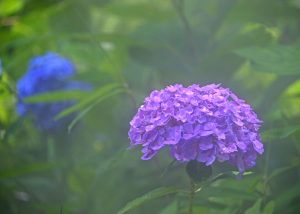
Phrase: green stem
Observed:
(192, 195)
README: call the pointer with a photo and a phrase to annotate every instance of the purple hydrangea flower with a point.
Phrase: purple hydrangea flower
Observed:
(47, 73)
(198, 123)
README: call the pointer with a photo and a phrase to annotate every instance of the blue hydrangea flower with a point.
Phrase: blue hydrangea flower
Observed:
(47, 73)
(198, 123)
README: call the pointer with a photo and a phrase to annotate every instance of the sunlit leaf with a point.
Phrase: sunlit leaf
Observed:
(8, 7)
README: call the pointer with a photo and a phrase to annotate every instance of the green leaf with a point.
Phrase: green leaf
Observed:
(8, 7)
(156, 193)
(279, 133)
(149, 11)
(280, 60)
(170, 209)
(282, 170)
(244, 174)
(56, 96)
(219, 192)
(284, 199)
(95, 96)
(18, 171)
(269, 208)
(255, 209)
(289, 131)
(86, 110)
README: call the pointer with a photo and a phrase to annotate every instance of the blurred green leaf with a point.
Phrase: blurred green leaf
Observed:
(281, 170)
(255, 209)
(156, 193)
(279, 133)
(8, 7)
(141, 10)
(96, 96)
(263, 11)
(295, 3)
(7, 99)
(220, 192)
(170, 209)
(86, 110)
(18, 171)
(198, 209)
(281, 60)
(269, 208)
(56, 96)
(288, 131)
(70, 17)
(74, 183)
(287, 196)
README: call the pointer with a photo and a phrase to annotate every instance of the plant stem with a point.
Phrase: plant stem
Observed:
(192, 194)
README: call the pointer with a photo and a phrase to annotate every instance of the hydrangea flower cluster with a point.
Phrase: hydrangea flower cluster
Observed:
(47, 73)
(198, 123)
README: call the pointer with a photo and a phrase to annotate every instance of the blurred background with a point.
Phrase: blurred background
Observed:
(125, 49)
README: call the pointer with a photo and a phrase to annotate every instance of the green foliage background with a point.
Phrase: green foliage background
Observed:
(126, 48)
